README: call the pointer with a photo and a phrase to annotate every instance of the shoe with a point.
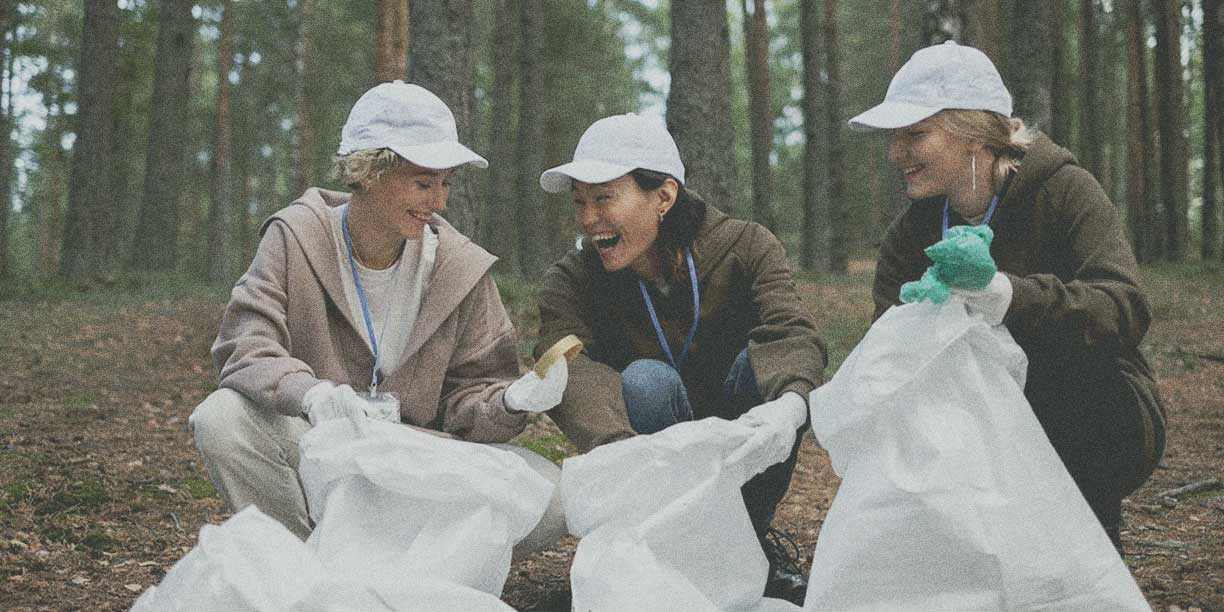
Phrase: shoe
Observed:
(786, 579)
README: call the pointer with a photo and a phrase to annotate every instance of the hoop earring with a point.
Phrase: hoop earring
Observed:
(973, 171)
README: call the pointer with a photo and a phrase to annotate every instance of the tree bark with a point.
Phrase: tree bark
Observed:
(1030, 62)
(1138, 144)
(87, 238)
(1211, 127)
(984, 27)
(756, 45)
(219, 222)
(1062, 85)
(699, 100)
(441, 60)
(1170, 113)
(304, 175)
(156, 243)
(504, 167)
(815, 247)
(839, 227)
(532, 243)
(1090, 133)
(391, 40)
(7, 13)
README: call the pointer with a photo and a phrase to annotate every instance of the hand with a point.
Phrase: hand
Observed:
(534, 394)
(325, 402)
(775, 424)
(991, 302)
(962, 259)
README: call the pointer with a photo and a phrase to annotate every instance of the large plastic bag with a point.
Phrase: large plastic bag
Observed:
(251, 563)
(952, 497)
(662, 520)
(392, 503)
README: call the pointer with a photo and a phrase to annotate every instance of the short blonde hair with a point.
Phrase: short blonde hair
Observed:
(360, 169)
(1006, 137)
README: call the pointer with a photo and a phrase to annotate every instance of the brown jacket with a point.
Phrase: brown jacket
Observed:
(287, 327)
(748, 299)
(1077, 309)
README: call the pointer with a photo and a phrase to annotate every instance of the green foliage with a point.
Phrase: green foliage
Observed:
(78, 496)
(553, 447)
(199, 488)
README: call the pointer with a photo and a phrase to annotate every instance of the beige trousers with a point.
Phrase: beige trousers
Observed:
(252, 458)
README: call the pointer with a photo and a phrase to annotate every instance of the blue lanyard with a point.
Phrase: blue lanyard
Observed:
(654, 318)
(365, 310)
(994, 201)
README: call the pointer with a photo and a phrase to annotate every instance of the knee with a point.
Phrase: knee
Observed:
(214, 424)
(649, 378)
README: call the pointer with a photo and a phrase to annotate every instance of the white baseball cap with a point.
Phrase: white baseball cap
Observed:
(615, 146)
(937, 78)
(409, 120)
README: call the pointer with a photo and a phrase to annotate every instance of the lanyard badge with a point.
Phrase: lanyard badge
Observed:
(654, 318)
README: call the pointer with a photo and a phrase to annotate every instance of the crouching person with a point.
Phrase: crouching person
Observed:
(366, 296)
(685, 313)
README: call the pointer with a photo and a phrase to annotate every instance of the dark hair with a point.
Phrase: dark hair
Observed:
(679, 225)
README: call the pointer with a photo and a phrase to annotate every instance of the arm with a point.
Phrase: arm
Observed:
(251, 350)
(785, 351)
(592, 410)
(1094, 299)
(483, 364)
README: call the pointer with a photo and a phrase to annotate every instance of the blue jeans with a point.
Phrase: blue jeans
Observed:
(655, 399)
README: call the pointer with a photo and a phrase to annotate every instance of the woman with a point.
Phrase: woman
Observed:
(369, 290)
(685, 313)
(1068, 285)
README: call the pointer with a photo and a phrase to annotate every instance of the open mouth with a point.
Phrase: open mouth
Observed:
(910, 171)
(420, 215)
(605, 240)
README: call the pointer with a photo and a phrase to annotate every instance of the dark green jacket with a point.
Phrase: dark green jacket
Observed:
(1077, 309)
(748, 299)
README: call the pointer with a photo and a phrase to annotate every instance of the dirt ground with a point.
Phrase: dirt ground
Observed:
(101, 490)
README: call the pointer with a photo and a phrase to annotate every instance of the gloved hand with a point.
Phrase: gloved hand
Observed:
(325, 401)
(534, 394)
(991, 302)
(962, 259)
(775, 423)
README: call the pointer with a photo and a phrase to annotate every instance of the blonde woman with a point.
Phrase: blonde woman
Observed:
(1068, 286)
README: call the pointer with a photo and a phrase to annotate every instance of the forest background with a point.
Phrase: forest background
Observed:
(154, 136)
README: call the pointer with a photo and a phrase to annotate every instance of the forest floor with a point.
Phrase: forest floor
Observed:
(101, 491)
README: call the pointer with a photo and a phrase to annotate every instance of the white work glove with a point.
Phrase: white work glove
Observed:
(990, 302)
(775, 423)
(325, 401)
(534, 394)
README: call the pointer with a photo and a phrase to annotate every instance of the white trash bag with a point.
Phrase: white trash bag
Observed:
(391, 504)
(250, 563)
(662, 520)
(952, 497)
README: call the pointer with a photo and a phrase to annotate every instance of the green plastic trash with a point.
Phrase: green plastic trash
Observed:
(962, 259)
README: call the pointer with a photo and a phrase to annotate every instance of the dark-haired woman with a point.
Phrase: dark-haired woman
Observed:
(685, 313)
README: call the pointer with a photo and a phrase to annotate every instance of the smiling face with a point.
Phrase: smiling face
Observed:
(405, 197)
(622, 221)
(933, 160)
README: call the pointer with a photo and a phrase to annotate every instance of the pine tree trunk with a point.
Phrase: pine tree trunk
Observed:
(87, 238)
(1170, 113)
(1030, 67)
(815, 247)
(839, 226)
(504, 166)
(1211, 126)
(441, 59)
(1138, 146)
(756, 45)
(1061, 82)
(942, 20)
(983, 27)
(699, 100)
(6, 145)
(532, 243)
(156, 243)
(304, 175)
(219, 221)
(1090, 133)
(391, 40)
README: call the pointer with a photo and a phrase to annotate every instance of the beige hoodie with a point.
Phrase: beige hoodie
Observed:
(287, 327)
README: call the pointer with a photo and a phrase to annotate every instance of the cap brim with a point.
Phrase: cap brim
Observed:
(440, 155)
(559, 179)
(890, 116)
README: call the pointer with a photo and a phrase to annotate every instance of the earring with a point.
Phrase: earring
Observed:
(973, 170)
(660, 216)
